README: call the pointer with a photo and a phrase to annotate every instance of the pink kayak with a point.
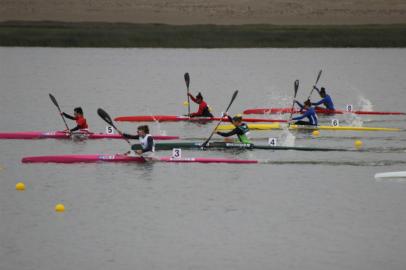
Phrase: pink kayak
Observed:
(318, 110)
(127, 159)
(63, 135)
(174, 118)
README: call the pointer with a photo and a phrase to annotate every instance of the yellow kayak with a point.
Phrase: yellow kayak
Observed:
(297, 127)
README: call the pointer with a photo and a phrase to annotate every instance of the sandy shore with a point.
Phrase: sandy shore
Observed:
(185, 12)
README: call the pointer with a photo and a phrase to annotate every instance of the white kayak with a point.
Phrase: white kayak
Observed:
(401, 174)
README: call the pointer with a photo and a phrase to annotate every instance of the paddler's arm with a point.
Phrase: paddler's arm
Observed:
(299, 117)
(319, 102)
(228, 134)
(306, 114)
(192, 97)
(129, 136)
(75, 128)
(68, 116)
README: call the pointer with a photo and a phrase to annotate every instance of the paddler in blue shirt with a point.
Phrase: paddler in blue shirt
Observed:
(307, 112)
(325, 99)
(241, 129)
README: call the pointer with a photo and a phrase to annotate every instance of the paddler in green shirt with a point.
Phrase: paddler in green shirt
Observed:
(241, 129)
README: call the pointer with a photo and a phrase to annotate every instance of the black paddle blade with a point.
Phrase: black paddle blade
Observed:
(187, 79)
(105, 116)
(232, 100)
(53, 99)
(296, 87)
(229, 105)
(318, 76)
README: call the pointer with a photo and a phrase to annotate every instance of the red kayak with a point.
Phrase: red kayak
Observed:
(29, 135)
(127, 159)
(318, 110)
(174, 118)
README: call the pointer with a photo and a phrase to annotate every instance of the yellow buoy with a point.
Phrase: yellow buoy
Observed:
(316, 133)
(185, 103)
(59, 207)
(20, 186)
(358, 143)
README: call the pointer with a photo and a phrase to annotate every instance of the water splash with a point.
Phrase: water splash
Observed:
(286, 138)
(354, 120)
(365, 104)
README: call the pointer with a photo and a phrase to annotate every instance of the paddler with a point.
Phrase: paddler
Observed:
(307, 112)
(241, 129)
(81, 123)
(204, 110)
(146, 141)
(325, 99)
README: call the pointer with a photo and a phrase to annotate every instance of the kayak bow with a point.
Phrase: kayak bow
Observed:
(126, 159)
(401, 174)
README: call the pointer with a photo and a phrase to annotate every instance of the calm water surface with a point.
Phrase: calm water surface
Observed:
(302, 210)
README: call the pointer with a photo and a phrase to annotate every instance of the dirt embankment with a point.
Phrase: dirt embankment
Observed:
(187, 12)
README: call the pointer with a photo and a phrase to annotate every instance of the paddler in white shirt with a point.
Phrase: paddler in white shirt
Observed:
(146, 141)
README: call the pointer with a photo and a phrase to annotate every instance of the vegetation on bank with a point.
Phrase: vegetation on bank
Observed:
(55, 34)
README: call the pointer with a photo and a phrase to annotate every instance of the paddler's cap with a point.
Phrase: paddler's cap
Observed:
(199, 96)
(237, 118)
(78, 110)
(322, 90)
(308, 103)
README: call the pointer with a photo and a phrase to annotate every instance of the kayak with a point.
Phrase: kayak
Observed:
(299, 127)
(401, 174)
(226, 145)
(63, 135)
(174, 118)
(126, 159)
(318, 110)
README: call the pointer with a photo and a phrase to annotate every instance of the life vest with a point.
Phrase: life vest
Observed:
(81, 122)
(243, 132)
(144, 142)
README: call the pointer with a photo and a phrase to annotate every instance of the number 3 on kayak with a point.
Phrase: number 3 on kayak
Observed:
(177, 153)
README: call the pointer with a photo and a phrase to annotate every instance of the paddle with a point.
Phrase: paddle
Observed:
(53, 99)
(296, 88)
(229, 105)
(106, 117)
(317, 80)
(187, 81)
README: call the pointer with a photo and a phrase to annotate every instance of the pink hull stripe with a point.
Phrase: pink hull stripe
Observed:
(29, 135)
(126, 159)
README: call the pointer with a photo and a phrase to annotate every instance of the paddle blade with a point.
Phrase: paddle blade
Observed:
(318, 77)
(296, 86)
(229, 105)
(232, 100)
(187, 80)
(53, 99)
(105, 116)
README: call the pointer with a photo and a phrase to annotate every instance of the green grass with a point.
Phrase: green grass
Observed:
(53, 34)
